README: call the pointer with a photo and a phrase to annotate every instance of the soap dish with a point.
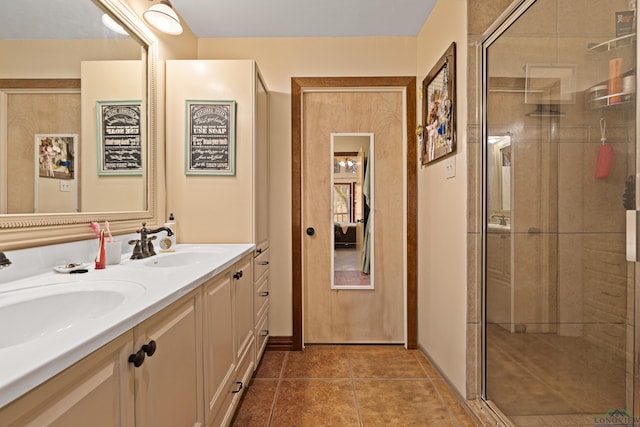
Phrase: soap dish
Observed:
(68, 268)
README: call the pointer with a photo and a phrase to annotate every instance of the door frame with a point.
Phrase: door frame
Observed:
(298, 87)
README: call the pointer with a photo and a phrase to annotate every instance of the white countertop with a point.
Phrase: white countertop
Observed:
(26, 365)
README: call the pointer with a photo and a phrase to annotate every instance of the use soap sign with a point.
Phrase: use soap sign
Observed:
(210, 147)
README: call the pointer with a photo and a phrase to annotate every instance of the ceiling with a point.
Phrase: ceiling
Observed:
(31, 19)
(304, 18)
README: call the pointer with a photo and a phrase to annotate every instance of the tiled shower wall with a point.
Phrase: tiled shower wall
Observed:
(585, 289)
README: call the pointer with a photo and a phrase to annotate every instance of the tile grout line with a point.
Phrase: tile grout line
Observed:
(353, 388)
(444, 402)
(275, 397)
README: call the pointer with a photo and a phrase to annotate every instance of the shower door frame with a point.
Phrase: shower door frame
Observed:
(512, 13)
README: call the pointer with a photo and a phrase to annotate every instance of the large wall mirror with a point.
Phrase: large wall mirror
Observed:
(77, 133)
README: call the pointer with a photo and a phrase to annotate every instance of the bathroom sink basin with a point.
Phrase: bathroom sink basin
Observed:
(502, 227)
(28, 314)
(181, 259)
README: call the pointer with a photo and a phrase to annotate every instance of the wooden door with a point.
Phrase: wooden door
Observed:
(340, 315)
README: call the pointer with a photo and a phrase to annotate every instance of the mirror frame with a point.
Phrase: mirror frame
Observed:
(371, 149)
(19, 231)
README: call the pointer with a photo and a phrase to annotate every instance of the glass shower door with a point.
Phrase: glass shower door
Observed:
(559, 167)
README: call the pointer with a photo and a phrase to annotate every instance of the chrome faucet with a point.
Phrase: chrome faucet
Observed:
(4, 261)
(144, 246)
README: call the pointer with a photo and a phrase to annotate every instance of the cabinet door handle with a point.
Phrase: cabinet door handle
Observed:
(264, 263)
(137, 358)
(264, 293)
(239, 383)
(149, 348)
(237, 275)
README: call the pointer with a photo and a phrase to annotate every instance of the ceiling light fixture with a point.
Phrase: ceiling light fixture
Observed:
(162, 17)
(111, 24)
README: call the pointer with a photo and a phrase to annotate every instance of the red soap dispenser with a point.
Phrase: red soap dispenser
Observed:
(100, 257)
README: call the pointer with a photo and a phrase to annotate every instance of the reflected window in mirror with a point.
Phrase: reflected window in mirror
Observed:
(343, 202)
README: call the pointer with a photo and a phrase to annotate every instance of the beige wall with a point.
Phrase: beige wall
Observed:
(211, 208)
(280, 59)
(58, 59)
(26, 118)
(442, 211)
(108, 81)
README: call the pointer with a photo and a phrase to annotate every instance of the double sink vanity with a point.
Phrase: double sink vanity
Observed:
(168, 340)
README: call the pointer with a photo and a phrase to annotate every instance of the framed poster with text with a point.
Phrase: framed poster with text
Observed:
(210, 145)
(119, 137)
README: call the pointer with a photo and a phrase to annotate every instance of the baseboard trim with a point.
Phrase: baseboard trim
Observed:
(279, 343)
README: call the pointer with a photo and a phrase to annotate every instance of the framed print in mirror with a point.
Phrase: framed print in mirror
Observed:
(119, 138)
(210, 145)
(439, 109)
(55, 155)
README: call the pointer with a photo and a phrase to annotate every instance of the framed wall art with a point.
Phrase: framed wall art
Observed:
(119, 137)
(55, 155)
(210, 145)
(439, 109)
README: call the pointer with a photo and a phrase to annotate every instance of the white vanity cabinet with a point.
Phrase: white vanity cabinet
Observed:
(228, 340)
(186, 365)
(99, 388)
(107, 389)
(168, 384)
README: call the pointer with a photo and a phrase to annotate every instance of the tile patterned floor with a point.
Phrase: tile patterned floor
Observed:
(349, 386)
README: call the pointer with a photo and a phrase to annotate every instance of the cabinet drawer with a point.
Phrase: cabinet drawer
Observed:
(261, 264)
(262, 337)
(261, 301)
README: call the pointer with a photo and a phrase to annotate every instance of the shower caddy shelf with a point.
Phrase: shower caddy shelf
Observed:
(604, 101)
(612, 44)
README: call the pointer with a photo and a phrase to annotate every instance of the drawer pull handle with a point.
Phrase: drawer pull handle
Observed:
(239, 383)
(137, 358)
(259, 251)
(264, 333)
(264, 294)
(264, 263)
(150, 348)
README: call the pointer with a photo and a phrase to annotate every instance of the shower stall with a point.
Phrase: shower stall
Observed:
(559, 167)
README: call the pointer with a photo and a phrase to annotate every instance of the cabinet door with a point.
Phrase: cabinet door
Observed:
(168, 382)
(219, 365)
(97, 391)
(243, 305)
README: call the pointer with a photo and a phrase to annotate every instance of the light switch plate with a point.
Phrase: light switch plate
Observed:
(65, 186)
(450, 167)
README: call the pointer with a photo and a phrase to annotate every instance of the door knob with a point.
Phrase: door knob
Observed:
(311, 231)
